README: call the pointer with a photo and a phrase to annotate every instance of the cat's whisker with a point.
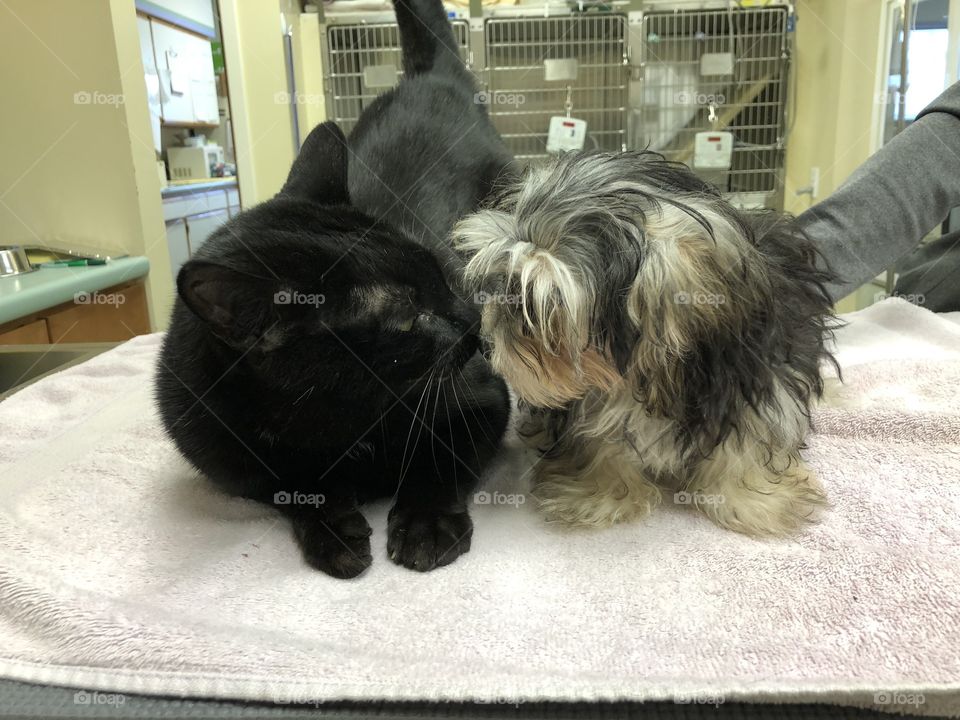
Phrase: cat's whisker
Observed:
(466, 423)
(413, 422)
(446, 407)
(433, 425)
(481, 419)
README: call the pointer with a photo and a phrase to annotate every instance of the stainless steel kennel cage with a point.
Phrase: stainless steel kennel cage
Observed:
(642, 73)
(362, 60)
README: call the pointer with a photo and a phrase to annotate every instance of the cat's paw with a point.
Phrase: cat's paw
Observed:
(426, 539)
(338, 546)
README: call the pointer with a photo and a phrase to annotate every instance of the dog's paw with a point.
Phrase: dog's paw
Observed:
(338, 546)
(608, 495)
(426, 539)
(770, 506)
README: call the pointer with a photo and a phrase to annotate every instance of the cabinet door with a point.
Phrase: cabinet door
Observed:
(172, 48)
(112, 315)
(201, 227)
(178, 245)
(34, 333)
(203, 82)
(187, 84)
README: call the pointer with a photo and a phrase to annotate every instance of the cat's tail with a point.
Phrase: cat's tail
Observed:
(426, 38)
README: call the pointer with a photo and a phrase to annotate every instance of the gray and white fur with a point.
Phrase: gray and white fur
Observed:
(660, 336)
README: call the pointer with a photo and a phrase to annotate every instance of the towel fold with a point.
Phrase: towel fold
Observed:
(122, 570)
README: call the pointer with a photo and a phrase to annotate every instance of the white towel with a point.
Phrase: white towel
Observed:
(121, 570)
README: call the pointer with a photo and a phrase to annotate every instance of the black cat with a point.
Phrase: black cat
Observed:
(317, 356)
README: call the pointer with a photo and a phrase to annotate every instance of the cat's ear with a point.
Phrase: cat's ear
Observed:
(238, 308)
(320, 171)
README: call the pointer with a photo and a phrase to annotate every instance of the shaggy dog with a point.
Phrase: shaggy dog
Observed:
(662, 338)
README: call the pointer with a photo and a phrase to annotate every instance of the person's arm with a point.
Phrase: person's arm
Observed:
(893, 200)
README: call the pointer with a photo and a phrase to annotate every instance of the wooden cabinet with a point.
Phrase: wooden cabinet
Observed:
(32, 333)
(111, 315)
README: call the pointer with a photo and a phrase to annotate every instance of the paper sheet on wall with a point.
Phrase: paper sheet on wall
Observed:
(179, 76)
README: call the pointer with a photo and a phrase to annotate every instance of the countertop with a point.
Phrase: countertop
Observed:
(227, 183)
(22, 295)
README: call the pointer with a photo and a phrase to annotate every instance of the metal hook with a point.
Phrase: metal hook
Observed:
(568, 105)
(712, 116)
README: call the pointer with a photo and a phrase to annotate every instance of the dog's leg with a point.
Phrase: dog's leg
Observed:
(752, 488)
(596, 484)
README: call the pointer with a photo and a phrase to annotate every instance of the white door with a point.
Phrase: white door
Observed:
(177, 244)
(200, 227)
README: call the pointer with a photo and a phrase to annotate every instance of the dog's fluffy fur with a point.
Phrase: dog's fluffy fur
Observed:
(662, 337)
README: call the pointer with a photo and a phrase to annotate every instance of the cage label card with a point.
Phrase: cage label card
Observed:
(566, 134)
(713, 150)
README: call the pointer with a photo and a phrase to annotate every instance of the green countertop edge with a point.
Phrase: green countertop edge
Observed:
(22, 295)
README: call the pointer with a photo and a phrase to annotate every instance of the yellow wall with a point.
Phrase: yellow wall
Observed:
(308, 68)
(253, 52)
(78, 174)
(841, 60)
(839, 66)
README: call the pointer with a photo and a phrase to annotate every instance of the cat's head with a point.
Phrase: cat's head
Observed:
(306, 289)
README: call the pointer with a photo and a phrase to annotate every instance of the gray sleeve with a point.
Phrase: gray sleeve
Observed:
(893, 200)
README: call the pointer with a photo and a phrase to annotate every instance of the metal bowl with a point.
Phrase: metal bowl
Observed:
(13, 261)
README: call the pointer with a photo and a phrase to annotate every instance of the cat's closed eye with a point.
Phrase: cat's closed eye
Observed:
(406, 324)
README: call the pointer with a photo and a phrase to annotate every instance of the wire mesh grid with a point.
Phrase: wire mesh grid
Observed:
(363, 61)
(522, 99)
(687, 68)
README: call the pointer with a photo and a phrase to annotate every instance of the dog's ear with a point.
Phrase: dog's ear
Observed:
(697, 279)
(320, 171)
